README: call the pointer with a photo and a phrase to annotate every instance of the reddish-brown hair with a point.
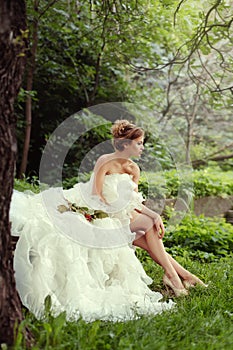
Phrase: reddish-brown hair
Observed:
(124, 132)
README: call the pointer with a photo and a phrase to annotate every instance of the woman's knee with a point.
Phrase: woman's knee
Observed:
(143, 223)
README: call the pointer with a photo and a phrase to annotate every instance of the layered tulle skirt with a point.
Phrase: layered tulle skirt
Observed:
(83, 278)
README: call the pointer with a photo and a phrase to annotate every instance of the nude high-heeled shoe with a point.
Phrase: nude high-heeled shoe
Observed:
(177, 291)
(190, 283)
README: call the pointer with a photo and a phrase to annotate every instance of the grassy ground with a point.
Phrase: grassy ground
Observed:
(202, 321)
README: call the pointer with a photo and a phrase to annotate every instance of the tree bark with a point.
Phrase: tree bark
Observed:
(12, 61)
(196, 163)
(31, 62)
(190, 122)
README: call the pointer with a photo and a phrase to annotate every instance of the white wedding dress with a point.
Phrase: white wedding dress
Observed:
(88, 268)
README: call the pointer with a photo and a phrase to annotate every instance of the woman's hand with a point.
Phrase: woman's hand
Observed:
(158, 223)
(159, 226)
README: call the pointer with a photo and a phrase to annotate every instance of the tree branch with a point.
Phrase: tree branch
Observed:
(51, 3)
(204, 161)
(177, 10)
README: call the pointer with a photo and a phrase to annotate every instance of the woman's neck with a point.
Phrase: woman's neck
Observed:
(121, 155)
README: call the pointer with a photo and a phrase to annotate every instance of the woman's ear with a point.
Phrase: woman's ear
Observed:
(126, 144)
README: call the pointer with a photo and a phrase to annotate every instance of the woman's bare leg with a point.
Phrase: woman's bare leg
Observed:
(180, 270)
(156, 250)
(154, 245)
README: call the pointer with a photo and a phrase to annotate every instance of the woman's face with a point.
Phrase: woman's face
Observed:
(136, 147)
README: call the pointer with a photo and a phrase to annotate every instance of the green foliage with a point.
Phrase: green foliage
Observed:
(27, 184)
(126, 37)
(70, 182)
(95, 52)
(226, 165)
(199, 244)
(200, 237)
(162, 184)
(155, 155)
(203, 320)
(76, 67)
(83, 154)
(170, 184)
(152, 186)
(212, 182)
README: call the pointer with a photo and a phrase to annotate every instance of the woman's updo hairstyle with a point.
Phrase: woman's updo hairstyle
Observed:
(124, 132)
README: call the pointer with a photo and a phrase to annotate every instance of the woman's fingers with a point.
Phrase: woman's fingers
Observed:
(162, 230)
(159, 226)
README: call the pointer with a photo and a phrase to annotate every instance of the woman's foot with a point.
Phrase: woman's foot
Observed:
(177, 291)
(191, 281)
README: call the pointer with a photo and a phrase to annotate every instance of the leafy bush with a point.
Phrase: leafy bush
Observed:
(226, 164)
(155, 188)
(70, 182)
(25, 185)
(162, 184)
(155, 155)
(212, 182)
(197, 238)
(201, 238)
(200, 183)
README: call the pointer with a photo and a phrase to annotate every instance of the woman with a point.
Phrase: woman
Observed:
(83, 258)
(128, 142)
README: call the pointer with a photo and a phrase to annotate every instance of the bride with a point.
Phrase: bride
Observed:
(82, 254)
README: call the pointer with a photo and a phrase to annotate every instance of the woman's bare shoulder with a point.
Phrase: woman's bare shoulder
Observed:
(135, 171)
(134, 166)
(103, 160)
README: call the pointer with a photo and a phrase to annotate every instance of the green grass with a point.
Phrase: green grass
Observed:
(202, 321)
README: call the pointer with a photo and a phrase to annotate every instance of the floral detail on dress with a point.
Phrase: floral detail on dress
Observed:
(88, 213)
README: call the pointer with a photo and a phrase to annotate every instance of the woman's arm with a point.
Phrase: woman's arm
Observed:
(158, 223)
(136, 173)
(100, 171)
(151, 213)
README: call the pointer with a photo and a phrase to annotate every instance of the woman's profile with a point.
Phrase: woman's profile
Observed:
(93, 272)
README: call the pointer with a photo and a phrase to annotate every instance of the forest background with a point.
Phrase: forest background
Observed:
(173, 59)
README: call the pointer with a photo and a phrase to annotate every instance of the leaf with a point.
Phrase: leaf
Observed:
(100, 214)
(62, 208)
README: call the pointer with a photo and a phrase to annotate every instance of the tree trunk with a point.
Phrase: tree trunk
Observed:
(190, 122)
(30, 75)
(12, 61)
(31, 63)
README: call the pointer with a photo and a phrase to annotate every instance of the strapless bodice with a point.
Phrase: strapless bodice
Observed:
(118, 191)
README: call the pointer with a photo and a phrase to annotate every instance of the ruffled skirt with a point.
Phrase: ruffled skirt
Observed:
(88, 282)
